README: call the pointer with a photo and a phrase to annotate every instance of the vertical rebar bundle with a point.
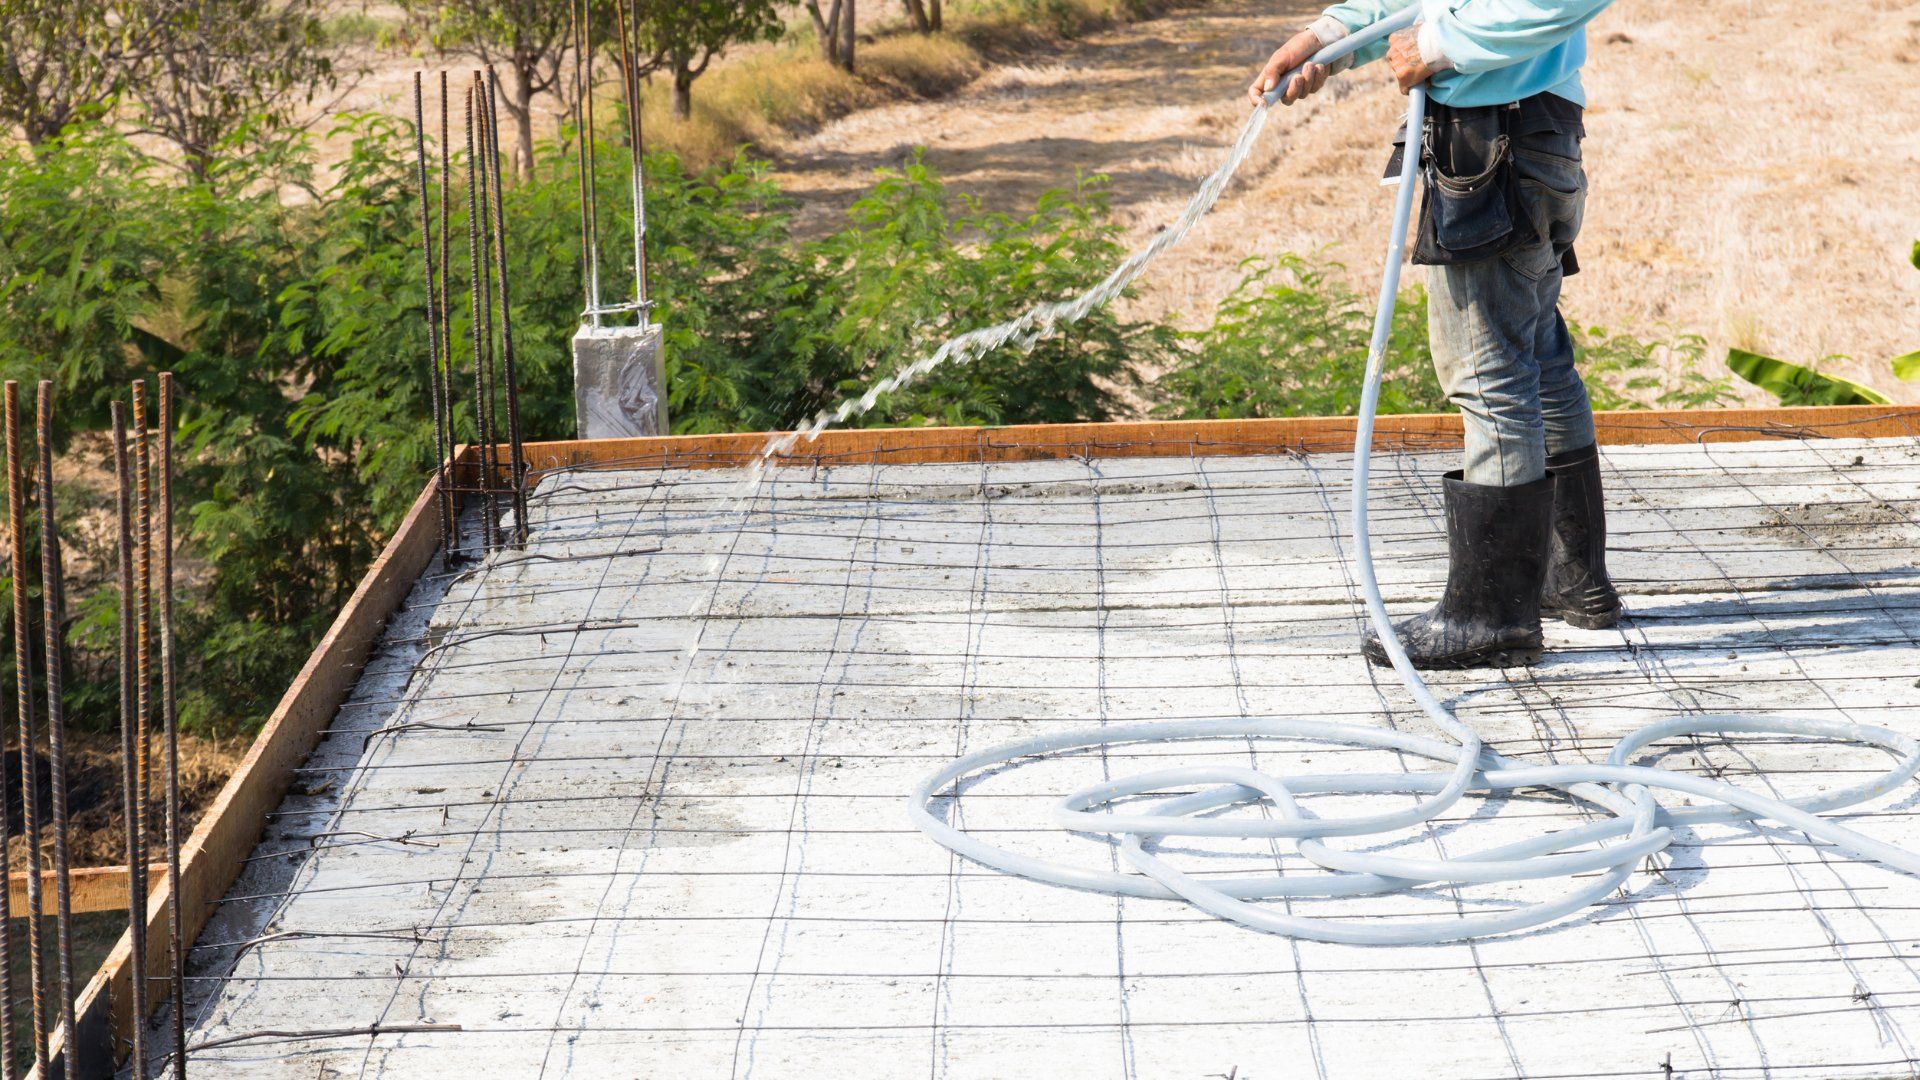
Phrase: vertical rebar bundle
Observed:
(477, 243)
(495, 367)
(23, 702)
(53, 616)
(579, 13)
(434, 320)
(629, 25)
(144, 521)
(517, 465)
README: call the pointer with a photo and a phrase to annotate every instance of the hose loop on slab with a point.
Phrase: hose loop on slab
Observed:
(1638, 825)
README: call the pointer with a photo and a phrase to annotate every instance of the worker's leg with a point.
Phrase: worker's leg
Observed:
(1505, 359)
(1578, 588)
(1553, 191)
(1483, 320)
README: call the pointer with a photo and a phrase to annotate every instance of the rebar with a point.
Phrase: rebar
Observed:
(130, 807)
(141, 866)
(489, 405)
(433, 317)
(482, 321)
(170, 726)
(517, 461)
(637, 181)
(6, 901)
(444, 371)
(587, 147)
(53, 605)
(589, 259)
(23, 679)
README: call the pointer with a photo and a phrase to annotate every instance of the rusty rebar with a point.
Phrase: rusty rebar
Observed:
(130, 808)
(141, 867)
(53, 617)
(444, 372)
(170, 726)
(482, 317)
(24, 673)
(433, 316)
(517, 461)
(23, 702)
(6, 937)
(490, 415)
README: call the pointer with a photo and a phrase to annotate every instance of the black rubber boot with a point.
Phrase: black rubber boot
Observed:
(1489, 615)
(1578, 589)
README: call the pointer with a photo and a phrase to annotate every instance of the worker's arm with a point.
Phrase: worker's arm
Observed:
(1353, 17)
(1471, 38)
(1489, 34)
(1338, 21)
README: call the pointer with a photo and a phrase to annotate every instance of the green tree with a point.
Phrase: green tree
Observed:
(684, 36)
(528, 41)
(221, 75)
(61, 57)
(834, 30)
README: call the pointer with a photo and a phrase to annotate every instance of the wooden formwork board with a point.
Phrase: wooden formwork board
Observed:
(89, 889)
(1181, 438)
(227, 833)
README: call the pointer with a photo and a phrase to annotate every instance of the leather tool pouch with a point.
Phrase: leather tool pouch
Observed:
(1470, 206)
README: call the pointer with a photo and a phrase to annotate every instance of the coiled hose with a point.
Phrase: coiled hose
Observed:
(1637, 826)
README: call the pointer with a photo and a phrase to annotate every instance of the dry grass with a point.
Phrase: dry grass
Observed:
(93, 775)
(758, 96)
(1005, 28)
(766, 96)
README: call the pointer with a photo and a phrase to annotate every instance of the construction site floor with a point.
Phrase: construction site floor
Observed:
(632, 801)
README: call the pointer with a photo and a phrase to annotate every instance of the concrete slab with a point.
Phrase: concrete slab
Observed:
(536, 822)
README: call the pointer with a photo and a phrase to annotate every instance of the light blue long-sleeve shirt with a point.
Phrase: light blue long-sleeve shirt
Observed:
(1500, 50)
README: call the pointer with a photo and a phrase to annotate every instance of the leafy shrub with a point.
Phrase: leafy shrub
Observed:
(1793, 384)
(916, 270)
(1625, 372)
(1291, 340)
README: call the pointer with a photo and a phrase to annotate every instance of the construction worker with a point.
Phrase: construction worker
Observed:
(1502, 195)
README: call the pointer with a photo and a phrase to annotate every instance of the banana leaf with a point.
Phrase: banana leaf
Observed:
(1796, 385)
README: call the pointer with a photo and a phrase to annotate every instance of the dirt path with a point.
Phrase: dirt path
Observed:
(1760, 195)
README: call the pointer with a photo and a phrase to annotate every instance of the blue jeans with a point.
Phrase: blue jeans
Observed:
(1500, 347)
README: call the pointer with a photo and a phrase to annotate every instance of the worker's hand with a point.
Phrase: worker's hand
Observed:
(1287, 57)
(1403, 56)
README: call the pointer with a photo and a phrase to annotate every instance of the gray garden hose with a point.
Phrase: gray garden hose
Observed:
(1638, 826)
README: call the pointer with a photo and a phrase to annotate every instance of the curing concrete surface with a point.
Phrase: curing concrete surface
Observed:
(528, 823)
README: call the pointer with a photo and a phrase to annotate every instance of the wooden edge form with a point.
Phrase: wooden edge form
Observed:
(93, 888)
(213, 856)
(1182, 438)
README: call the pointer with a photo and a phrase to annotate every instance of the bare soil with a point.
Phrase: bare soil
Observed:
(1755, 168)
